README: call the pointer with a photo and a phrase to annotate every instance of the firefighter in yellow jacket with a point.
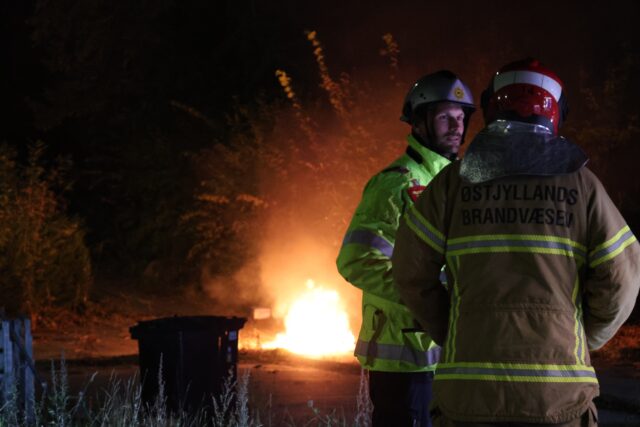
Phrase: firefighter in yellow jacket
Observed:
(541, 266)
(400, 357)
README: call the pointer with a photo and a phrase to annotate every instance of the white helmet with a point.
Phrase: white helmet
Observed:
(441, 86)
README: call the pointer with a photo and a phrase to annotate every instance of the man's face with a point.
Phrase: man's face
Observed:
(446, 127)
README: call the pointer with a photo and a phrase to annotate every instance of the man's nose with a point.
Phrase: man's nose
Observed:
(454, 123)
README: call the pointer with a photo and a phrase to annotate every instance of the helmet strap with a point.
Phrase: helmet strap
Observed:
(427, 143)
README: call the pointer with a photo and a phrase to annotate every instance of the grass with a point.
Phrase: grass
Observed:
(121, 404)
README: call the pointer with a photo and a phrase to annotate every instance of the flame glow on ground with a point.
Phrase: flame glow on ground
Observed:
(316, 325)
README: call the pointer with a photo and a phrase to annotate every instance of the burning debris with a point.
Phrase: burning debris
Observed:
(316, 324)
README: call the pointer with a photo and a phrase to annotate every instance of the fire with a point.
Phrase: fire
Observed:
(316, 325)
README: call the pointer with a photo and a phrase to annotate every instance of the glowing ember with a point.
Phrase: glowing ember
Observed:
(316, 325)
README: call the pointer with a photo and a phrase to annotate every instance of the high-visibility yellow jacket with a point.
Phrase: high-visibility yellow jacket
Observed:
(540, 269)
(390, 339)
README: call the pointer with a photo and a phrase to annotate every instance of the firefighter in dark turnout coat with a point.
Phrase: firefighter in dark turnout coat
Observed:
(541, 265)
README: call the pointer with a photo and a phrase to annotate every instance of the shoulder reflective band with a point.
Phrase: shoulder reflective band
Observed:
(399, 353)
(371, 239)
(516, 372)
(612, 247)
(516, 243)
(425, 230)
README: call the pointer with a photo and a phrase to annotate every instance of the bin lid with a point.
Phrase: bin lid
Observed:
(217, 325)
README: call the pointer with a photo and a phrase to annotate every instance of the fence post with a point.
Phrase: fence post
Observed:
(29, 375)
(17, 370)
(7, 361)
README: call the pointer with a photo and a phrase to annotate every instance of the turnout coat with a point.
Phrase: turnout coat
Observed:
(541, 268)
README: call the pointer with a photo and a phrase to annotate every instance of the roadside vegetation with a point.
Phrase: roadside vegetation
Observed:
(121, 404)
(44, 260)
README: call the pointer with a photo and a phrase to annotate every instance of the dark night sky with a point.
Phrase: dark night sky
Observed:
(437, 34)
(466, 36)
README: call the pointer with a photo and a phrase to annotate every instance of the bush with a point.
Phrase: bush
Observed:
(293, 169)
(43, 257)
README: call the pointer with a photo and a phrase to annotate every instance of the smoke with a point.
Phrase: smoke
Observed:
(290, 261)
(236, 294)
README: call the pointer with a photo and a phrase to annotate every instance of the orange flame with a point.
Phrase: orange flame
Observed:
(316, 325)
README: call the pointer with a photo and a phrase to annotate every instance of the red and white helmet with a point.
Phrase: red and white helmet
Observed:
(525, 91)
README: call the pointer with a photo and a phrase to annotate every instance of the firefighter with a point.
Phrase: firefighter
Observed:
(541, 266)
(399, 356)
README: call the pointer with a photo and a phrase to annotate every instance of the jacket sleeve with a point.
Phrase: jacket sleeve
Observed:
(365, 256)
(418, 258)
(613, 273)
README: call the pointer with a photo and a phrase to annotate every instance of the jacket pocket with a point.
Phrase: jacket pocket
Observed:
(373, 320)
(416, 339)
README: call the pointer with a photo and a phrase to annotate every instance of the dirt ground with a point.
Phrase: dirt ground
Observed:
(290, 390)
(102, 331)
(284, 389)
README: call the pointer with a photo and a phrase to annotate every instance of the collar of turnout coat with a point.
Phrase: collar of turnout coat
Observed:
(506, 148)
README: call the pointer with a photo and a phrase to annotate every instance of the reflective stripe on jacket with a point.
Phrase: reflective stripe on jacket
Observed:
(390, 339)
(541, 269)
